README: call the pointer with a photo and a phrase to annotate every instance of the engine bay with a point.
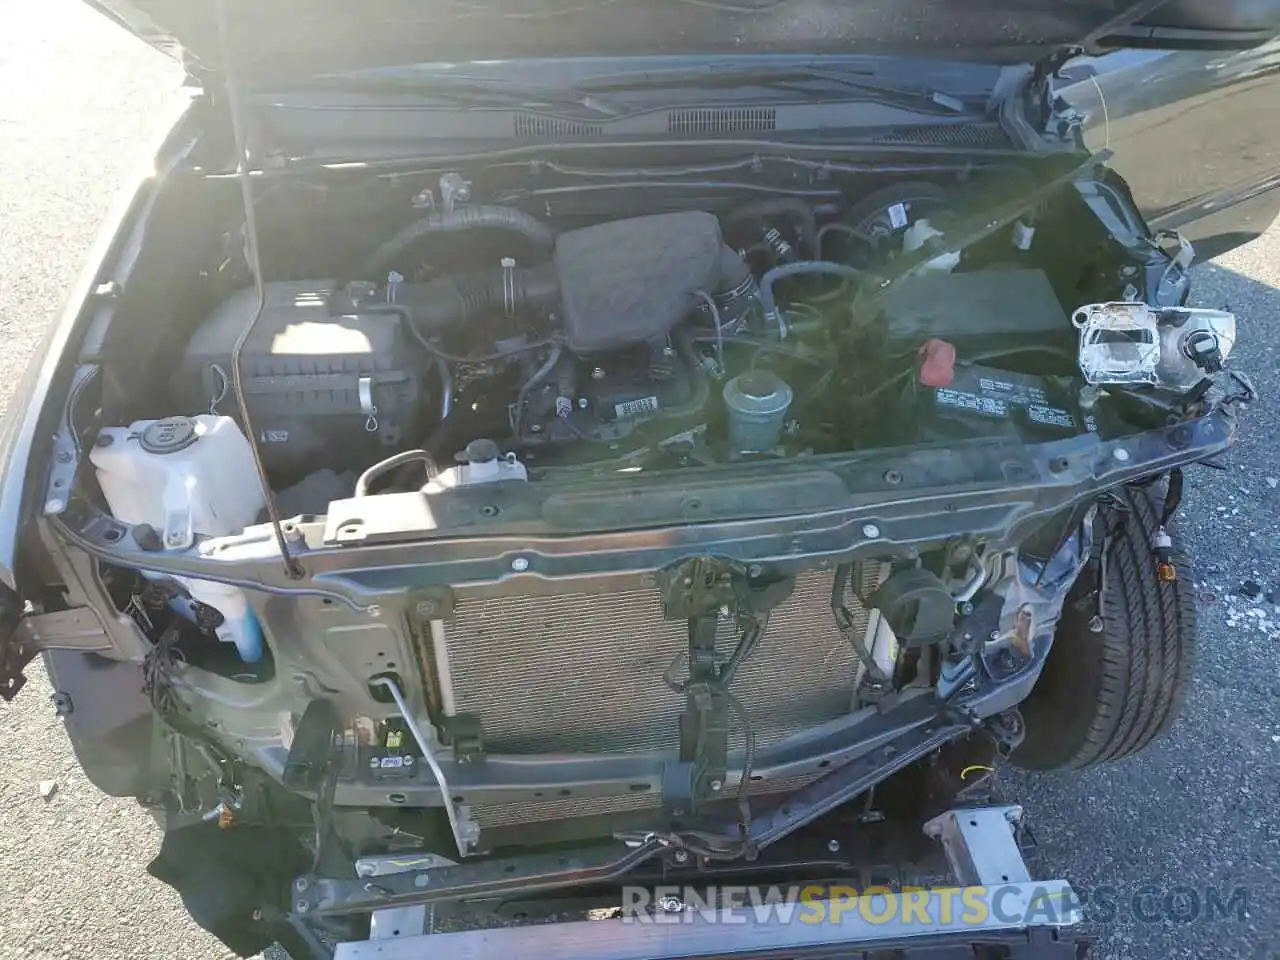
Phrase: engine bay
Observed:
(769, 330)
(448, 335)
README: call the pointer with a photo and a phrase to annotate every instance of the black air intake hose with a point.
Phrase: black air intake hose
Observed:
(450, 302)
(456, 221)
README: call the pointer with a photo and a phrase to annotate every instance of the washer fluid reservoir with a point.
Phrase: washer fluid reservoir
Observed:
(187, 477)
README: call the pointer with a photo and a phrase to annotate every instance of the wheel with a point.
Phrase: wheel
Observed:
(1108, 693)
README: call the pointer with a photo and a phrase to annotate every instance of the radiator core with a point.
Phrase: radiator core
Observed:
(583, 673)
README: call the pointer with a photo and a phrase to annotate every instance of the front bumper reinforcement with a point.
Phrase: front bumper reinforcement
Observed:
(999, 912)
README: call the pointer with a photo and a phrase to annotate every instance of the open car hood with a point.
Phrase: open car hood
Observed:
(270, 41)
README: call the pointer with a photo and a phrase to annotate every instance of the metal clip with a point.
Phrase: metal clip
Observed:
(364, 389)
(508, 286)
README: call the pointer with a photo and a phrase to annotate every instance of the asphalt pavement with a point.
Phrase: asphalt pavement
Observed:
(1180, 845)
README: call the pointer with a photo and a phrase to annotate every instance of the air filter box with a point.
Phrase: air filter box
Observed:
(322, 391)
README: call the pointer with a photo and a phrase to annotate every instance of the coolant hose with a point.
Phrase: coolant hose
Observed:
(801, 267)
(391, 463)
(449, 302)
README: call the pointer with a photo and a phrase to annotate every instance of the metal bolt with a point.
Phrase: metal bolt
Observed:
(303, 906)
(892, 476)
(519, 564)
(833, 846)
(1121, 454)
(407, 760)
(54, 505)
(302, 885)
(583, 403)
(716, 786)
(291, 532)
(754, 570)
(966, 609)
(426, 608)
(597, 373)
(670, 904)
(373, 610)
(1095, 624)
(870, 531)
(681, 856)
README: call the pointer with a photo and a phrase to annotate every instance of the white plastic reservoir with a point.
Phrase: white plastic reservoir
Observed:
(187, 477)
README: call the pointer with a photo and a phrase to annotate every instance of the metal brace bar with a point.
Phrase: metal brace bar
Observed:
(465, 830)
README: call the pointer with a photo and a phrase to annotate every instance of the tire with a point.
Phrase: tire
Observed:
(1106, 695)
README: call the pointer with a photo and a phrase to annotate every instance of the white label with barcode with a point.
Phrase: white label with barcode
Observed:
(635, 408)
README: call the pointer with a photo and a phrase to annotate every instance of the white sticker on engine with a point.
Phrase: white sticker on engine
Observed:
(275, 436)
(898, 216)
(635, 408)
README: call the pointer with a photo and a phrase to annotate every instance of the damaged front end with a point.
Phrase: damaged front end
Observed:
(538, 518)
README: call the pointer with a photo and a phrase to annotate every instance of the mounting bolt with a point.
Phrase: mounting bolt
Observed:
(680, 856)
(754, 570)
(597, 373)
(373, 610)
(519, 564)
(833, 846)
(716, 786)
(54, 505)
(302, 884)
(303, 906)
(426, 608)
(870, 531)
(583, 403)
(966, 609)
(291, 532)
(1121, 454)
(407, 759)
(670, 904)
(1095, 624)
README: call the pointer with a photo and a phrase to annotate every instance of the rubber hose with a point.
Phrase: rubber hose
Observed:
(456, 221)
(390, 463)
(452, 301)
(799, 268)
(792, 205)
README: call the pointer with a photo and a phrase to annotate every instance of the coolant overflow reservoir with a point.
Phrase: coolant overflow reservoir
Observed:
(482, 462)
(185, 476)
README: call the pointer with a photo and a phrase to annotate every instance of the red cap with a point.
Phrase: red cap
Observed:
(937, 363)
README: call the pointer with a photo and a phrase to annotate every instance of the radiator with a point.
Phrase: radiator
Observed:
(584, 672)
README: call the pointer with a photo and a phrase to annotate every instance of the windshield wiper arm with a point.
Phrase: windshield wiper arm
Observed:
(791, 78)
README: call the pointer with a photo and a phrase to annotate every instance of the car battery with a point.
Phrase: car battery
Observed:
(984, 401)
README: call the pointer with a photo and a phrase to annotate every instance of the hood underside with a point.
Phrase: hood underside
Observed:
(271, 42)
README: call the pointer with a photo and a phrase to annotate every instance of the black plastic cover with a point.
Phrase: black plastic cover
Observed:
(310, 379)
(631, 281)
(974, 311)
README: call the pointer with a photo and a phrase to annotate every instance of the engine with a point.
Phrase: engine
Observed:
(656, 340)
